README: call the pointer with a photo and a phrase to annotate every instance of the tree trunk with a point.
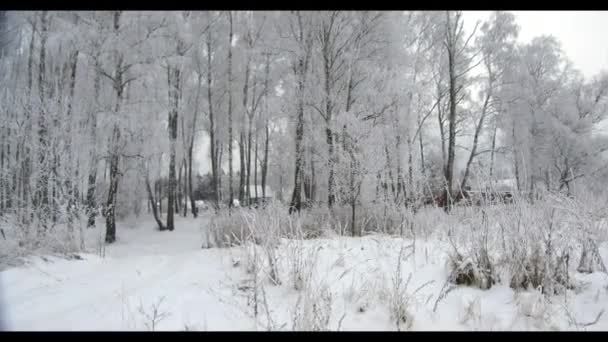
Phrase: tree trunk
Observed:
(249, 143)
(410, 170)
(183, 184)
(328, 132)
(193, 207)
(220, 192)
(331, 198)
(242, 168)
(190, 149)
(42, 191)
(478, 129)
(152, 202)
(296, 198)
(159, 184)
(71, 184)
(353, 196)
(313, 178)
(301, 68)
(231, 193)
(255, 167)
(174, 79)
(110, 212)
(185, 189)
(493, 151)
(118, 85)
(353, 205)
(389, 169)
(178, 189)
(515, 160)
(249, 116)
(265, 161)
(422, 167)
(27, 162)
(212, 143)
(449, 172)
(441, 131)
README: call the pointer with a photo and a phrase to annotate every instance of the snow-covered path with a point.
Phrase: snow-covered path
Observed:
(206, 289)
(142, 268)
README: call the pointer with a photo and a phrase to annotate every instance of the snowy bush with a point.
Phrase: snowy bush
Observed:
(525, 245)
(26, 237)
(230, 228)
(313, 308)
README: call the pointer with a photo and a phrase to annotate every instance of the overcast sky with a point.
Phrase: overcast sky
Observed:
(583, 34)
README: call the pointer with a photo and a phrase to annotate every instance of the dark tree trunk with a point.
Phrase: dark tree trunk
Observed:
(515, 158)
(173, 75)
(160, 185)
(71, 183)
(331, 198)
(178, 189)
(353, 205)
(231, 193)
(181, 185)
(265, 161)
(110, 211)
(90, 201)
(118, 85)
(264, 165)
(493, 151)
(152, 202)
(255, 167)
(246, 170)
(242, 168)
(410, 169)
(42, 190)
(422, 167)
(478, 129)
(441, 131)
(248, 181)
(185, 189)
(193, 207)
(220, 192)
(449, 171)
(213, 149)
(313, 180)
(296, 198)
(27, 162)
(301, 70)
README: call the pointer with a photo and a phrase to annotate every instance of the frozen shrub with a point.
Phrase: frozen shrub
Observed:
(528, 245)
(538, 247)
(301, 263)
(225, 230)
(312, 310)
(468, 272)
(26, 237)
(230, 228)
(476, 267)
(398, 296)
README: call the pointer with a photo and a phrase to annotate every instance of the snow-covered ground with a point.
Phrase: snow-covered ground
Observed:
(355, 284)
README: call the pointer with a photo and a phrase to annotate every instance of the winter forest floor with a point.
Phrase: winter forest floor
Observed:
(152, 280)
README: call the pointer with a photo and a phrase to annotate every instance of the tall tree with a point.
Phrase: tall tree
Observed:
(300, 28)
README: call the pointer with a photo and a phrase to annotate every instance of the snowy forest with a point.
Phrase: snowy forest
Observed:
(268, 156)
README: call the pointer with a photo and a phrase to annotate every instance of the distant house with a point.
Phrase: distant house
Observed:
(499, 185)
(257, 196)
(500, 189)
(201, 205)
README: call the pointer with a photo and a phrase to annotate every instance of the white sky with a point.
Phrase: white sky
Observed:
(583, 34)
